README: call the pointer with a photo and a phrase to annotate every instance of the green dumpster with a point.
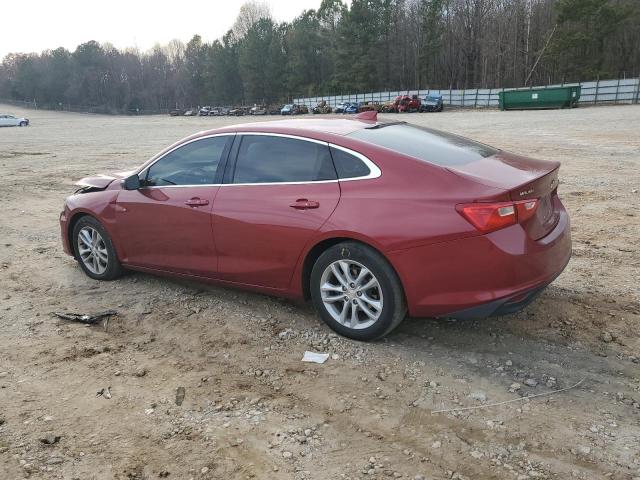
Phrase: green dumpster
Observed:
(555, 97)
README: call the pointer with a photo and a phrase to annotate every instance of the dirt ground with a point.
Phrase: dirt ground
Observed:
(252, 409)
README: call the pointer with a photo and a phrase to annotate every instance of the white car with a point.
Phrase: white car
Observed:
(13, 121)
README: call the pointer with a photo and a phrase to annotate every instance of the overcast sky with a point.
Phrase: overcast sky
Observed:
(36, 25)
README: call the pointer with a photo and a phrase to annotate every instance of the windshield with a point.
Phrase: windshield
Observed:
(426, 144)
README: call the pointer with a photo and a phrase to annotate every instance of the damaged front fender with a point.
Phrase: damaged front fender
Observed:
(99, 182)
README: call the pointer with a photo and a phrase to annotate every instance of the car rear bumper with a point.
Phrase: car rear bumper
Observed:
(483, 275)
(503, 306)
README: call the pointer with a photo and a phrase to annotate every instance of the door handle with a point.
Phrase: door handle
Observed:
(197, 202)
(304, 204)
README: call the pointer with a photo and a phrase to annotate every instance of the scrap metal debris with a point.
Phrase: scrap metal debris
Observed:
(527, 397)
(86, 318)
(105, 392)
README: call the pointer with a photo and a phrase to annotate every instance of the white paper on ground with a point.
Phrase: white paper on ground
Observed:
(315, 357)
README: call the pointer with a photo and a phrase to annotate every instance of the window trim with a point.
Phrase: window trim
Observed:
(222, 164)
(234, 161)
(225, 163)
(374, 171)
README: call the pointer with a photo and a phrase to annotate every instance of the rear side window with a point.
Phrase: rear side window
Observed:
(348, 165)
(425, 144)
(195, 163)
(271, 159)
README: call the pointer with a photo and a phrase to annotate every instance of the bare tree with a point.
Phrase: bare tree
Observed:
(250, 13)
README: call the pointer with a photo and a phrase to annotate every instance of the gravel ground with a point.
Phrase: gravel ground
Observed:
(251, 408)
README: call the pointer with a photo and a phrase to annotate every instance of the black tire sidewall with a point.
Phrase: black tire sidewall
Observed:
(114, 269)
(394, 308)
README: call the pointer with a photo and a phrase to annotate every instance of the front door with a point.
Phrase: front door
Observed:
(166, 224)
(280, 192)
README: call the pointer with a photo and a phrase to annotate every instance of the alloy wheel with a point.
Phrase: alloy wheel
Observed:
(93, 250)
(351, 294)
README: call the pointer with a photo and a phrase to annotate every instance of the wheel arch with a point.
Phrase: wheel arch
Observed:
(75, 218)
(321, 245)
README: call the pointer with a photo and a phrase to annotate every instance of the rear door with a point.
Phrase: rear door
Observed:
(166, 224)
(278, 192)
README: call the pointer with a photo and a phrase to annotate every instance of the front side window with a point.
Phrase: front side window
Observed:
(271, 159)
(195, 163)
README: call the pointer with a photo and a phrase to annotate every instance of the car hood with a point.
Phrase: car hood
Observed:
(102, 181)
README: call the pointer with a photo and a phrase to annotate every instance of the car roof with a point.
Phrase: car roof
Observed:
(306, 127)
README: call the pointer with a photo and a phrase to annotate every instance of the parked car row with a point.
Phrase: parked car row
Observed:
(400, 104)
(208, 111)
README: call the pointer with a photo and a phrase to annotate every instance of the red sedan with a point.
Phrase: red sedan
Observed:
(370, 220)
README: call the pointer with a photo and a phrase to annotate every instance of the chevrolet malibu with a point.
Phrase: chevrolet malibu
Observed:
(370, 220)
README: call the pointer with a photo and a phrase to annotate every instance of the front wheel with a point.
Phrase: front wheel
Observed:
(94, 250)
(356, 292)
(22, 124)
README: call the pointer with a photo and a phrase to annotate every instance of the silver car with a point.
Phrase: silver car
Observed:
(13, 121)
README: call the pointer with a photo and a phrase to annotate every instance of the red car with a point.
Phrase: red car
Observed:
(370, 220)
(405, 103)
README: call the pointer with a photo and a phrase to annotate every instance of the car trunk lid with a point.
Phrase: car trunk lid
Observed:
(523, 179)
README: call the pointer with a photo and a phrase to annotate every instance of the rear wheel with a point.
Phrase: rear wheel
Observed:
(94, 250)
(356, 292)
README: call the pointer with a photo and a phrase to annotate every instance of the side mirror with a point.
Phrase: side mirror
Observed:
(132, 182)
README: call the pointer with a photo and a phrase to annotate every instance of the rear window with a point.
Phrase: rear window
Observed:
(348, 165)
(433, 146)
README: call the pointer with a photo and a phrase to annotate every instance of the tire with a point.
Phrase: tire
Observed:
(95, 253)
(387, 292)
(22, 124)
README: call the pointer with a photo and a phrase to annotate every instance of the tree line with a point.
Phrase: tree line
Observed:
(370, 45)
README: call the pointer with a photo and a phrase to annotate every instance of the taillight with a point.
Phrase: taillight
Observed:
(489, 217)
(526, 209)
